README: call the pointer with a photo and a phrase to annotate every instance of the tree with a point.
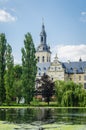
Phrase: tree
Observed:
(17, 90)
(17, 86)
(9, 76)
(47, 86)
(17, 72)
(29, 68)
(2, 67)
(70, 94)
(59, 86)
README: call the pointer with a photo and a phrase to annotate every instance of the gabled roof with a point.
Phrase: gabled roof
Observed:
(74, 67)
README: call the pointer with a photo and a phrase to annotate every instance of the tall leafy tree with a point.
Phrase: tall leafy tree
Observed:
(2, 66)
(17, 72)
(9, 76)
(29, 68)
(17, 86)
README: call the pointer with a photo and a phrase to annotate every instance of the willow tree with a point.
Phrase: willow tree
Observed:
(29, 68)
(70, 94)
(2, 66)
(9, 76)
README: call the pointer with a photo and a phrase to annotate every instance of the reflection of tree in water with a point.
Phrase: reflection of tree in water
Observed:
(17, 115)
(69, 116)
(29, 115)
(2, 114)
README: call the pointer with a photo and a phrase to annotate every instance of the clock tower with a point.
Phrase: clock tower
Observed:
(43, 54)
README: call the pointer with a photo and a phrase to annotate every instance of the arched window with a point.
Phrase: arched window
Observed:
(43, 59)
(41, 39)
(38, 58)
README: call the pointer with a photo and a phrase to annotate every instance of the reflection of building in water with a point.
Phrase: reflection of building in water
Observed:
(75, 71)
(44, 115)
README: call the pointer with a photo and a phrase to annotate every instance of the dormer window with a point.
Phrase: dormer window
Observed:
(44, 68)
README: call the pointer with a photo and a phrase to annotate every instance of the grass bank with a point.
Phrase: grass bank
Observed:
(9, 126)
(35, 104)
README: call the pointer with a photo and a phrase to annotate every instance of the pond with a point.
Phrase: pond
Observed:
(43, 118)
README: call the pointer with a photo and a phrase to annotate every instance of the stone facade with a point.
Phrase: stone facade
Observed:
(56, 70)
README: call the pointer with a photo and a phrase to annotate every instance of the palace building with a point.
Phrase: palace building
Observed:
(75, 71)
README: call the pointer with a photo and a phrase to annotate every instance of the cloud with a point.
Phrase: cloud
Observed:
(6, 17)
(70, 52)
(83, 16)
(83, 13)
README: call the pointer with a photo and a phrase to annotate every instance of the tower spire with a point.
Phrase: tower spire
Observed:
(42, 21)
(43, 34)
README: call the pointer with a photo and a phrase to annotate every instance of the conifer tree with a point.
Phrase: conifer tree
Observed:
(29, 68)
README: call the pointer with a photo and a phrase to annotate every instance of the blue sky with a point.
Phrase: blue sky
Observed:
(65, 24)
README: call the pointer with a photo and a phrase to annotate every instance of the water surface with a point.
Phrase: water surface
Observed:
(43, 116)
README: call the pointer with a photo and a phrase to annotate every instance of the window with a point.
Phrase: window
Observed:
(85, 77)
(47, 59)
(43, 48)
(41, 39)
(38, 58)
(84, 85)
(43, 59)
(39, 74)
(79, 77)
(44, 68)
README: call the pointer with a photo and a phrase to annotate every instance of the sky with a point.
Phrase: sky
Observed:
(64, 20)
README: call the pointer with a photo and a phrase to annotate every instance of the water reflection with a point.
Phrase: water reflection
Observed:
(44, 115)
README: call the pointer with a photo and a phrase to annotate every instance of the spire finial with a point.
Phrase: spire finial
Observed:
(42, 21)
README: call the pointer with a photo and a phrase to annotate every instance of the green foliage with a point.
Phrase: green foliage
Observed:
(29, 68)
(47, 87)
(35, 102)
(2, 66)
(17, 86)
(17, 90)
(17, 72)
(70, 94)
(59, 85)
(9, 76)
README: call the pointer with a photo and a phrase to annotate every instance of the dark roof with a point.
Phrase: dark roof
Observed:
(74, 67)
(43, 47)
